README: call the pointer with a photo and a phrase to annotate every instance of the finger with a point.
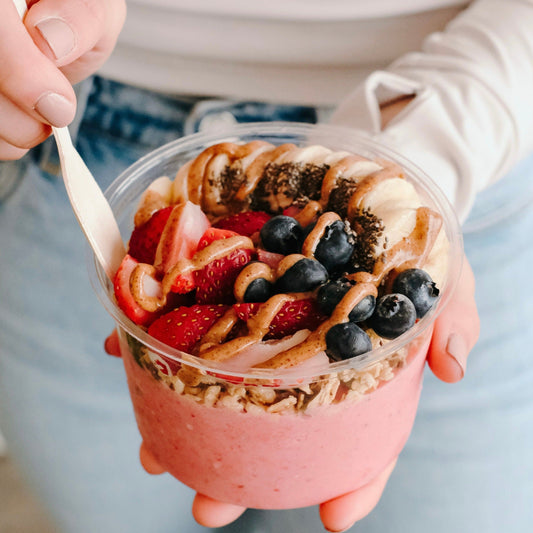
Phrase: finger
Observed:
(149, 462)
(112, 345)
(77, 35)
(27, 77)
(18, 128)
(212, 513)
(341, 513)
(456, 331)
(8, 152)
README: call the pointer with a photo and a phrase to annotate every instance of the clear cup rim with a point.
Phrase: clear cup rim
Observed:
(363, 141)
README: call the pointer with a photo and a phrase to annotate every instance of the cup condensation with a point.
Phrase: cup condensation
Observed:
(235, 446)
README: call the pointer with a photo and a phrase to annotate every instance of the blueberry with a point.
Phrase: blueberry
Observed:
(282, 235)
(305, 275)
(335, 247)
(418, 286)
(346, 340)
(259, 290)
(331, 293)
(363, 309)
(394, 315)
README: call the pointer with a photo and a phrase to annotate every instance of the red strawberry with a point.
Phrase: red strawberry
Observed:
(125, 299)
(212, 235)
(185, 281)
(214, 282)
(185, 326)
(179, 240)
(293, 316)
(145, 238)
(246, 223)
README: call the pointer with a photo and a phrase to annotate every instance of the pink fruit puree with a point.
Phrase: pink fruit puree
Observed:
(276, 461)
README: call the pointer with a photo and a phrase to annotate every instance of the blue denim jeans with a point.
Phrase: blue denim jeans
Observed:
(64, 405)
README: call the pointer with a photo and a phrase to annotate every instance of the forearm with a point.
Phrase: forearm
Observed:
(471, 117)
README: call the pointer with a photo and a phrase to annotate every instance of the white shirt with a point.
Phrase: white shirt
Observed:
(472, 117)
(289, 51)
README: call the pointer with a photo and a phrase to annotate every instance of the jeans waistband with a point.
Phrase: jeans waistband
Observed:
(129, 114)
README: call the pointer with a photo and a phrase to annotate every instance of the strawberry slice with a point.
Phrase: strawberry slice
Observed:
(214, 282)
(145, 238)
(179, 240)
(293, 316)
(124, 297)
(185, 281)
(212, 235)
(246, 223)
(185, 326)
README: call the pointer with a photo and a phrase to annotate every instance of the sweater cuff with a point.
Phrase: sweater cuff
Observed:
(443, 130)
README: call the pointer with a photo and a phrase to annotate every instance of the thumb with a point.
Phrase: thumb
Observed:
(456, 331)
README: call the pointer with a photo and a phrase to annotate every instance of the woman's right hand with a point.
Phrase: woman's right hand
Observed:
(59, 43)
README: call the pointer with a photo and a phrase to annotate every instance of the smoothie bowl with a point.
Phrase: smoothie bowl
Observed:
(276, 305)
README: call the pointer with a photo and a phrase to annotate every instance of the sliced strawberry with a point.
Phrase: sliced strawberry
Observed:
(293, 316)
(179, 240)
(145, 238)
(246, 223)
(212, 235)
(214, 282)
(125, 299)
(185, 326)
(183, 283)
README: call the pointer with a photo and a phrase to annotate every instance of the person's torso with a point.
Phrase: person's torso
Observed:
(292, 51)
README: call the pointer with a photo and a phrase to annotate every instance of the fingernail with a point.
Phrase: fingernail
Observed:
(55, 109)
(59, 36)
(457, 349)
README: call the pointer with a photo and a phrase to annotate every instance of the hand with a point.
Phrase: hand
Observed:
(455, 332)
(59, 43)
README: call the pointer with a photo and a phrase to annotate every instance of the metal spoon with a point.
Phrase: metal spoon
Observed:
(88, 202)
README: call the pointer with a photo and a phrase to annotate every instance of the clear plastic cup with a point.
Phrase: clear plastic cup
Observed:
(273, 439)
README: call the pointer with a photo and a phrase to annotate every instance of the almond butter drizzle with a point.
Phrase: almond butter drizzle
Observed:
(308, 213)
(334, 173)
(151, 202)
(137, 279)
(390, 170)
(216, 250)
(287, 262)
(311, 241)
(258, 327)
(255, 171)
(249, 273)
(411, 251)
(316, 342)
(211, 200)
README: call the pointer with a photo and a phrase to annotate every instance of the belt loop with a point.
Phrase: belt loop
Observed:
(209, 115)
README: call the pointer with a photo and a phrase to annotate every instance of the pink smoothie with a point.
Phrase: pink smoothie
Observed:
(277, 461)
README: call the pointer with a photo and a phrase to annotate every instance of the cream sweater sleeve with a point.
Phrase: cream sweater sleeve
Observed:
(472, 117)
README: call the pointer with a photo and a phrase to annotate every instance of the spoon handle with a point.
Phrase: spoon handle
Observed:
(90, 206)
